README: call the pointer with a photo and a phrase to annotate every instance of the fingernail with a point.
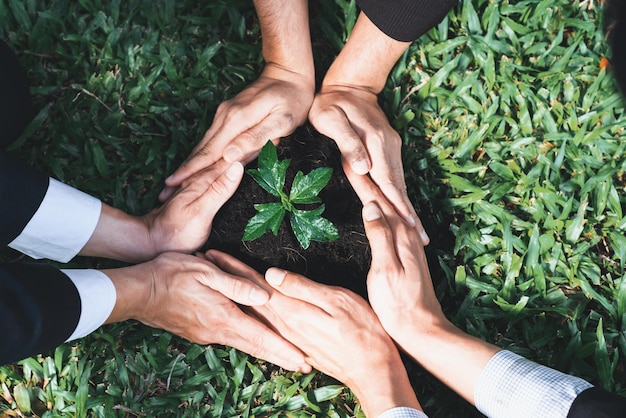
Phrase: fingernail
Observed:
(234, 172)
(360, 166)
(410, 219)
(232, 154)
(425, 238)
(275, 276)
(259, 296)
(371, 212)
(170, 178)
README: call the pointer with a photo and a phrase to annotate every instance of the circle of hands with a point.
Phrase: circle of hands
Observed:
(283, 317)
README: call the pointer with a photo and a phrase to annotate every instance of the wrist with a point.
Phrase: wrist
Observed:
(386, 386)
(133, 290)
(301, 78)
(120, 236)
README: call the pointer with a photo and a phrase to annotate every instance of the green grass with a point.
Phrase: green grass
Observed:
(514, 142)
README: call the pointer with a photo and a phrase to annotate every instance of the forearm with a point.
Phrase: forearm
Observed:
(120, 236)
(366, 59)
(454, 357)
(286, 38)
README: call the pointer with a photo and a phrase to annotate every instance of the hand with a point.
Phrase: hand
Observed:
(367, 142)
(338, 332)
(182, 224)
(402, 295)
(346, 109)
(399, 285)
(184, 221)
(192, 298)
(270, 108)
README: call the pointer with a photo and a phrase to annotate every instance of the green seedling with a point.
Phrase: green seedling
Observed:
(307, 225)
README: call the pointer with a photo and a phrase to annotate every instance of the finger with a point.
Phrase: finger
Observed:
(231, 265)
(206, 176)
(231, 120)
(380, 237)
(198, 160)
(260, 341)
(335, 124)
(394, 194)
(364, 187)
(235, 288)
(208, 151)
(220, 190)
(247, 144)
(299, 287)
(166, 193)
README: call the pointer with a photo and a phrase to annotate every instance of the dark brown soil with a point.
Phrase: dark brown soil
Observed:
(343, 262)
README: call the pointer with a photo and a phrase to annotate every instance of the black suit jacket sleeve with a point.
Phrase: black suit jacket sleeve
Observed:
(22, 189)
(405, 20)
(39, 305)
(39, 309)
(597, 403)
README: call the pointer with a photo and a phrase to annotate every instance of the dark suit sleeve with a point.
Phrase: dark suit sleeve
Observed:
(39, 305)
(15, 104)
(405, 20)
(22, 189)
(39, 309)
(596, 402)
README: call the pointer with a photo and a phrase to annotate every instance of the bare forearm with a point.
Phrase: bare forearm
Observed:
(119, 236)
(366, 59)
(454, 357)
(286, 37)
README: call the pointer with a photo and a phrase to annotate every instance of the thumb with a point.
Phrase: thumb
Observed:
(297, 287)
(380, 237)
(222, 189)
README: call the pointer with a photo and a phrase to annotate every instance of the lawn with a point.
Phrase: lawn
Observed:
(513, 130)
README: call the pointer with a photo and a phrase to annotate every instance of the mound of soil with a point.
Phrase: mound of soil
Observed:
(344, 262)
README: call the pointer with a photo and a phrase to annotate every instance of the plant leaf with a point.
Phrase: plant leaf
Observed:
(270, 173)
(268, 218)
(305, 188)
(308, 225)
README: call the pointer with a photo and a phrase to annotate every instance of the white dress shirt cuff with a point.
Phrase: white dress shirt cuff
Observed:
(97, 299)
(61, 226)
(511, 386)
(403, 412)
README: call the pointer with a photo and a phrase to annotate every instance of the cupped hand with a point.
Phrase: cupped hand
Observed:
(352, 117)
(183, 222)
(399, 284)
(338, 332)
(191, 297)
(270, 108)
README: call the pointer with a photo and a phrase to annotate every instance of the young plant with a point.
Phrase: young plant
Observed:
(307, 225)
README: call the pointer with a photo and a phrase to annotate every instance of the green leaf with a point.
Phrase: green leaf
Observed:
(271, 173)
(305, 188)
(308, 225)
(268, 218)
(22, 398)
